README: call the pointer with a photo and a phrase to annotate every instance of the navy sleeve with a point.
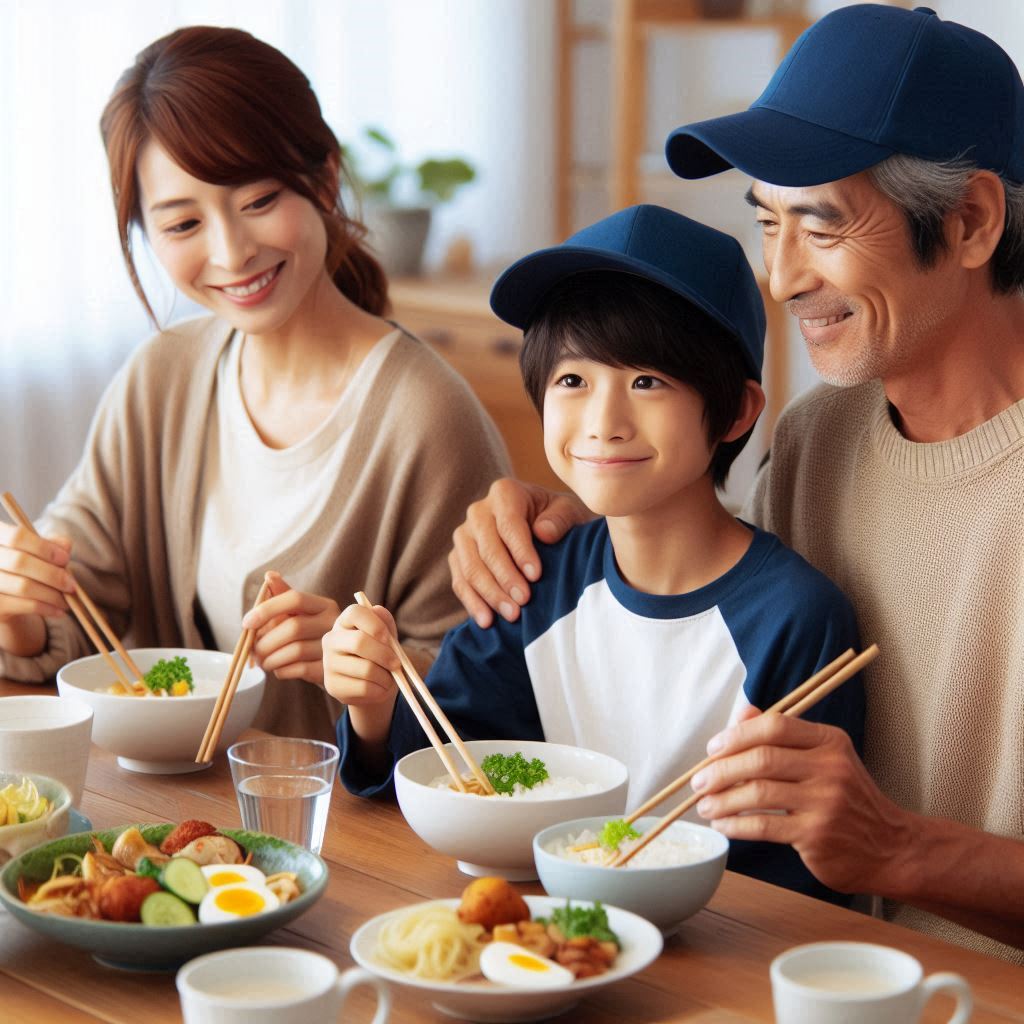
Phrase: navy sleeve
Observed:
(482, 684)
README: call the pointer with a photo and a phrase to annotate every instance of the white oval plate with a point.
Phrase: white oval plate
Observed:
(503, 1004)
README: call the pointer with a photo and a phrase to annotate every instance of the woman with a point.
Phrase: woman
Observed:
(295, 430)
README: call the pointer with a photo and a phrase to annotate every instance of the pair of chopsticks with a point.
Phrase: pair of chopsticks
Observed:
(83, 607)
(793, 705)
(219, 715)
(428, 698)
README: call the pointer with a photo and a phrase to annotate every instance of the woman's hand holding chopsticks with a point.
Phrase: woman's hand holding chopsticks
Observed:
(33, 583)
(289, 628)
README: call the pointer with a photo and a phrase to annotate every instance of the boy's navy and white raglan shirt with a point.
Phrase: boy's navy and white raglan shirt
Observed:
(648, 679)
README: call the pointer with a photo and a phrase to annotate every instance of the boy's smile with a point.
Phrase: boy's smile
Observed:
(627, 441)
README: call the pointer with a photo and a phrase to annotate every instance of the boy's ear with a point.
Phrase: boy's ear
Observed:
(751, 406)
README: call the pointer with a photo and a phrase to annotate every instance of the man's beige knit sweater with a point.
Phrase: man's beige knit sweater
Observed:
(421, 451)
(927, 541)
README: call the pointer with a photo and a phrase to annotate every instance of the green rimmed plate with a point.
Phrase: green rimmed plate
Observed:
(141, 947)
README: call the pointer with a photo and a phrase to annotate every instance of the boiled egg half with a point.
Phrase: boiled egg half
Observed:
(219, 875)
(509, 964)
(230, 902)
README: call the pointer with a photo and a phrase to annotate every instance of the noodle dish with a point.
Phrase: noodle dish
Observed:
(497, 955)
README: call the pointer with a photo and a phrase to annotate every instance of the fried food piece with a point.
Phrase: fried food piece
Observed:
(187, 832)
(586, 956)
(492, 901)
(130, 847)
(531, 935)
(212, 850)
(121, 898)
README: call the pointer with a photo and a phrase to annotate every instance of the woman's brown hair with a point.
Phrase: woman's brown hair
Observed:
(231, 109)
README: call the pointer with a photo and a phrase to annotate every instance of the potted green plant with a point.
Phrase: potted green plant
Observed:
(398, 197)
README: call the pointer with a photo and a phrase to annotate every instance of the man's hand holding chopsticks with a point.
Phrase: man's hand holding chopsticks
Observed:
(850, 836)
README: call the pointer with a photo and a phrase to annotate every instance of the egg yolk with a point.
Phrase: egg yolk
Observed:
(528, 963)
(242, 902)
(224, 878)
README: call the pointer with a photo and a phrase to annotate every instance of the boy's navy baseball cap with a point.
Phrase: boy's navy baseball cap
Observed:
(859, 85)
(704, 266)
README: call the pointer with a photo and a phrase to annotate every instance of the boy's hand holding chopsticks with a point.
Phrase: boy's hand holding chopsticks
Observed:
(357, 654)
(359, 665)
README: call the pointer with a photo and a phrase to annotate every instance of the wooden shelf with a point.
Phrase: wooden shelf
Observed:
(453, 315)
(623, 179)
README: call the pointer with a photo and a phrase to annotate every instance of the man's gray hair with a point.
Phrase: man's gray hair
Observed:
(926, 190)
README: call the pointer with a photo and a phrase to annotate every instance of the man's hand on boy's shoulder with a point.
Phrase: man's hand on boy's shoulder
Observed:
(493, 560)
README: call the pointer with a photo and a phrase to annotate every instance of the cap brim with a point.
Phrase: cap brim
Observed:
(520, 290)
(770, 146)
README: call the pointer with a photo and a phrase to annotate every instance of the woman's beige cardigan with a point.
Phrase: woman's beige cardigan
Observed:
(421, 451)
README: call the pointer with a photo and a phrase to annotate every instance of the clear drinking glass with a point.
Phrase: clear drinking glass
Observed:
(284, 785)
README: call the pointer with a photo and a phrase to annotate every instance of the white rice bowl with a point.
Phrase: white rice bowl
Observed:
(493, 835)
(665, 851)
(664, 893)
(552, 788)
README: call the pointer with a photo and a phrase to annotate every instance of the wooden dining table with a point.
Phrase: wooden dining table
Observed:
(713, 971)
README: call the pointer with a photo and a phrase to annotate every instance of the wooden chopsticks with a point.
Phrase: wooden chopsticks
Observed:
(221, 709)
(83, 606)
(428, 698)
(793, 705)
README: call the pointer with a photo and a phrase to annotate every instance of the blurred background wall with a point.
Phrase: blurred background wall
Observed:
(484, 79)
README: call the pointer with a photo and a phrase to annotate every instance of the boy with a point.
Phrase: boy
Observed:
(653, 627)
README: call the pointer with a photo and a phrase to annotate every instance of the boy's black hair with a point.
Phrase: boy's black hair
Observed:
(622, 320)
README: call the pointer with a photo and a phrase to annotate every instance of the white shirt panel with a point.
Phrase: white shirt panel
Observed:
(666, 676)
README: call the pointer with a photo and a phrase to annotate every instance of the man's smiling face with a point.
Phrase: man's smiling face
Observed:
(839, 256)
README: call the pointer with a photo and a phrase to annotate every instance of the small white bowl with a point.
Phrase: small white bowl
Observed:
(493, 835)
(161, 735)
(15, 839)
(666, 896)
(46, 735)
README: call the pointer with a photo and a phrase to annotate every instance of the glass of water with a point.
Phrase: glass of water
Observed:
(284, 785)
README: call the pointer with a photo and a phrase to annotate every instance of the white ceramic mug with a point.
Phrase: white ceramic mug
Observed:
(271, 985)
(858, 983)
(46, 735)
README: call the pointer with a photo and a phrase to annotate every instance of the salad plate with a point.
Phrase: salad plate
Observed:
(160, 948)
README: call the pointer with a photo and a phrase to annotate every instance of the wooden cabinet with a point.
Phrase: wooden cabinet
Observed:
(452, 314)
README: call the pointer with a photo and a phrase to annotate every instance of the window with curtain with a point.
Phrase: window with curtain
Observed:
(441, 76)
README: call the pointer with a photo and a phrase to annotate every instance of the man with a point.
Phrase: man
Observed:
(887, 154)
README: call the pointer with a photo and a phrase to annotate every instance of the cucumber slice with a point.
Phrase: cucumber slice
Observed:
(185, 879)
(164, 908)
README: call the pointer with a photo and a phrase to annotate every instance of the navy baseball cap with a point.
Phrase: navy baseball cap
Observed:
(859, 85)
(704, 266)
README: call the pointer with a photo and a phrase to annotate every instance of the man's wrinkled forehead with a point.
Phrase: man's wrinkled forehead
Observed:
(831, 202)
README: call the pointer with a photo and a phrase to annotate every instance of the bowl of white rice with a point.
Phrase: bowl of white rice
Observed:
(669, 880)
(493, 835)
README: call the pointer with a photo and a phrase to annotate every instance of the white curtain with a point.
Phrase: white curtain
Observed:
(441, 76)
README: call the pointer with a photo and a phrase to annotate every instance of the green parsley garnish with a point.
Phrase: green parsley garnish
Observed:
(505, 771)
(615, 831)
(579, 922)
(164, 674)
